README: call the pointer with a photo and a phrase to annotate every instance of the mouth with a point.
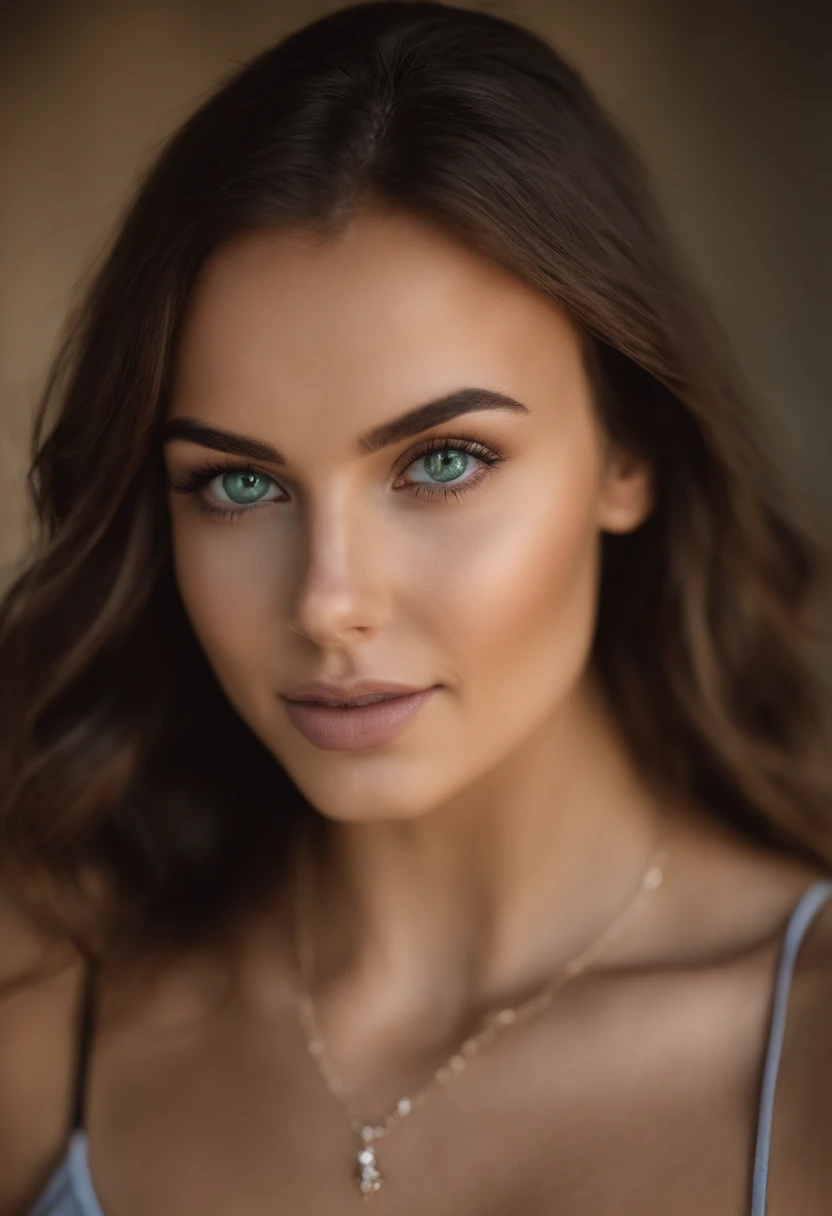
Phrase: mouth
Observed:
(369, 699)
(362, 722)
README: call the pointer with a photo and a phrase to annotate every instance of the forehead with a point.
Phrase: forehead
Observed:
(389, 312)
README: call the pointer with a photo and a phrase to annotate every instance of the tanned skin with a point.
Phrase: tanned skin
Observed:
(468, 858)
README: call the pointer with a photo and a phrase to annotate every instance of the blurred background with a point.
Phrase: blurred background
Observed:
(728, 101)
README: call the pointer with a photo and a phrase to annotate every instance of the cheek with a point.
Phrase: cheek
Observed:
(229, 577)
(518, 608)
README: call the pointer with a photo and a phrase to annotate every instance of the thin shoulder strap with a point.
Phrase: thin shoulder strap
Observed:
(799, 922)
(83, 1051)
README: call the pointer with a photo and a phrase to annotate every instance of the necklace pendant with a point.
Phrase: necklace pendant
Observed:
(368, 1178)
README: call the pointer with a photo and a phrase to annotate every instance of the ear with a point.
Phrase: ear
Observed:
(627, 492)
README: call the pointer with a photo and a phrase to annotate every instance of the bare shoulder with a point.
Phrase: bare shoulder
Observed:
(801, 1162)
(730, 894)
(41, 987)
(733, 899)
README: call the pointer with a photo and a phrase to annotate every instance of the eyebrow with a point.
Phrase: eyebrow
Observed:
(421, 418)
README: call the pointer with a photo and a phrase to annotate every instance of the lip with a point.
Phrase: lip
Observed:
(333, 693)
(350, 728)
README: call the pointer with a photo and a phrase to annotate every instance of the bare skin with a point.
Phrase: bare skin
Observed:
(468, 858)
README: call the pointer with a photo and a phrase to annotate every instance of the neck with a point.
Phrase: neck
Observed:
(481, 898)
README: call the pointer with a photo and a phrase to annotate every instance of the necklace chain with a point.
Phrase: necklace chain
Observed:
(492, 1025)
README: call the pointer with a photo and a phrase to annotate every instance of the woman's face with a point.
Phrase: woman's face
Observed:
(470, 569)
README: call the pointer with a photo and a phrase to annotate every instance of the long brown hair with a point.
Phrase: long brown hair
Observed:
(119, 754)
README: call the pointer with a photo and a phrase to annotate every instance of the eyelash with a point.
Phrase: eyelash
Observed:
(194, 480)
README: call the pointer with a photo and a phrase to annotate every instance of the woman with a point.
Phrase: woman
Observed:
(391, 387)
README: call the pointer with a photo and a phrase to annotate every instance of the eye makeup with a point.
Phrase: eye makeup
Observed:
(486, 456)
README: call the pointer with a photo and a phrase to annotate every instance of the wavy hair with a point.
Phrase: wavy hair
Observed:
(120, 757)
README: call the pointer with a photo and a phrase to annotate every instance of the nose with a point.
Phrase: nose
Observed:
(341, 594)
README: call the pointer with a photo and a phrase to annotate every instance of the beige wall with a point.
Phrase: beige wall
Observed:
(727, 99)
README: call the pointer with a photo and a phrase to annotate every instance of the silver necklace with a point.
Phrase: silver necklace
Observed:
(366, 1172)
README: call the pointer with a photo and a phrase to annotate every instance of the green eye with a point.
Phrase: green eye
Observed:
(448, 468)
(244, 486)
(445, 464)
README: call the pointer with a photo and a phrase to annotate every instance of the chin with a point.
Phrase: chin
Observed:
(364, 814)
(376, 789)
